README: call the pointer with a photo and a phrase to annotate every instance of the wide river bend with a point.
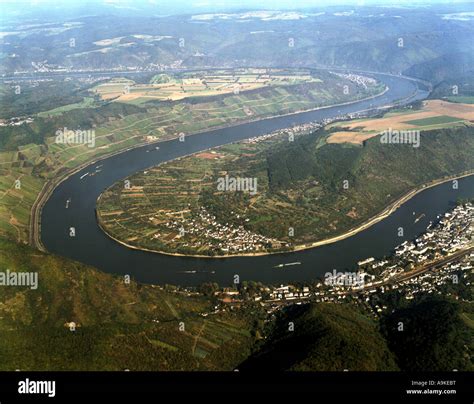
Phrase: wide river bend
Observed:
(92, 246)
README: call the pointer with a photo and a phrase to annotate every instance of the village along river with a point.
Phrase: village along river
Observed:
(91, 246)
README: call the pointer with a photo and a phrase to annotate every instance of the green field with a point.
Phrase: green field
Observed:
(87, 102)
(462, 99)
(437, 120)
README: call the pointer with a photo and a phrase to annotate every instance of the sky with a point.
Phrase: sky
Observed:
(200, 4)
(169, 7)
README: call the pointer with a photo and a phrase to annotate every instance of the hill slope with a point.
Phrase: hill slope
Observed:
(117, 325)
(434, 336)
(327, 337)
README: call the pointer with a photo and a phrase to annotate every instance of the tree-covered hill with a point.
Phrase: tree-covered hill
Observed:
(324, 190)
(430, 335)
(325, 336)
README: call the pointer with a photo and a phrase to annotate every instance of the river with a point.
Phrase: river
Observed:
(92, 246)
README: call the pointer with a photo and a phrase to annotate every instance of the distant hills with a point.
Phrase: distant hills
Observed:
(449, 67)
(391, 40)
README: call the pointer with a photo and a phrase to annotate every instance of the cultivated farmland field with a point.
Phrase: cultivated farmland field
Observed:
(434, 114)
(435, 120)
(200, 84)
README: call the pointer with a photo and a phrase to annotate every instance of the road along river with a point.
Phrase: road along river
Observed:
(91, 246)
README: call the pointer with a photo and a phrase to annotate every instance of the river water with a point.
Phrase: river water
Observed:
(92, 246)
